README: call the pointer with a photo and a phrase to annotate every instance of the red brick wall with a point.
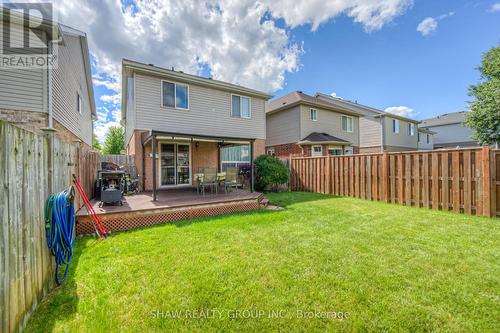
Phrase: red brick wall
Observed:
(284, 151)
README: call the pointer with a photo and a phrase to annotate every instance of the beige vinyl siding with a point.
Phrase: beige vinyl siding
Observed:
(68, 81)
(283, 127)
(401, 139)
(370, 131)
(22, 89)
(209, 112)
(329, 122)
(130, 112)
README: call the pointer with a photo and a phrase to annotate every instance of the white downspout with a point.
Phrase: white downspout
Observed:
(49, 90)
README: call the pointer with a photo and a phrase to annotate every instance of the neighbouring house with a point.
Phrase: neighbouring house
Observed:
(379, 130)
(60, 98)
(300, 124)
(450, 131)
(191, 122)
(303, 125)
(425, 139)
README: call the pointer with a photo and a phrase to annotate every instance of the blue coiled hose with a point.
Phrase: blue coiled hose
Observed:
(60, 229)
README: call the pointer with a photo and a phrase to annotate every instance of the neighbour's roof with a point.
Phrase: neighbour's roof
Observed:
(445, 119)
(298, 97)
(316, 137)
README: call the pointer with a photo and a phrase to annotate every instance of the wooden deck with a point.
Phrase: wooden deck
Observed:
(172, 205)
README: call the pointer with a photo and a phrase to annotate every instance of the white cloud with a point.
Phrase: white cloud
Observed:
(495, 7)
(237, 41)
(402, 111)
(114, 99)
(430, 24)
(427, 26)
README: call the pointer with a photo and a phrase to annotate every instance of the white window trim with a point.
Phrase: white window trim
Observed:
(395, 129)
(311, 112)
(79, 103)
(312, 150)
(175, 95)
(249, 107)
(411, 126)
(352, 124)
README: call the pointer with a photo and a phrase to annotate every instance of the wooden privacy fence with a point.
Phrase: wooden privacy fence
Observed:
(462, 180)
(30, 165)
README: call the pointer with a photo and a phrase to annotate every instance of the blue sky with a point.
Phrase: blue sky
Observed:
(397, 66)
(417, 57)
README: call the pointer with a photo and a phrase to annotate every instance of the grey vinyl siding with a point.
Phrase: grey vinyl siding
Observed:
(329, 122)
(452, 133)
(22, 89)
(209, 112)
(423, 145)
(68, 81)
(401, 139)
(283, 127)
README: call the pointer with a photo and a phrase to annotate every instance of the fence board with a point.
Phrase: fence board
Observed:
(26, 266)
(447, 179)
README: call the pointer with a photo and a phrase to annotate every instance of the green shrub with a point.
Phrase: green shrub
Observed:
(270, 173)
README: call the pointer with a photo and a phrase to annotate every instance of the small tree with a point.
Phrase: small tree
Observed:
(270, 173)
(115, 141)
(95, 143)
(484, 117)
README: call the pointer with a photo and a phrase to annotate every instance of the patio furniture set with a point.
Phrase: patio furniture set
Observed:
(210, 178)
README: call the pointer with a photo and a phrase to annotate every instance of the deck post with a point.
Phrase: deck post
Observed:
(154, 165)
(251, 167)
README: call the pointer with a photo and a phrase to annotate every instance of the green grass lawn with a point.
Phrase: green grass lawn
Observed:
(323, 263)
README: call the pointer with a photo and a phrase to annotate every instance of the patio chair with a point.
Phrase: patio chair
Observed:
(232, 179)
(209, 180)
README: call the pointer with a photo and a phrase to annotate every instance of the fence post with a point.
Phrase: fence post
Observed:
(385, 170)
(328, 175)
(486, 181)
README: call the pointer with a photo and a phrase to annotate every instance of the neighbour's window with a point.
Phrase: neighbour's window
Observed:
(348, 151)
(240, 106)
(79, 105)
(411, 129)
(334, 151)
(428, 138)
(270, 151)
(235, 156)
(313, 114)
(175, 95)
(418, 136)
(395, 126)
(317, 151)
(347, 123)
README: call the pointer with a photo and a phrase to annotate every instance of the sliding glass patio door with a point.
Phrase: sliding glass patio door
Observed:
(175, 167)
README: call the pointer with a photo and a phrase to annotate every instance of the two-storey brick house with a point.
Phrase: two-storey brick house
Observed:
(189, 122)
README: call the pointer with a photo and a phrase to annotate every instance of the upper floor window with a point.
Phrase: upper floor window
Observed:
(347, 123)
(395, 126)
(411, 129)
(418, 136)
(175, 95)
(79, 104)
(240, 106)
(428, 138)
(313, 114)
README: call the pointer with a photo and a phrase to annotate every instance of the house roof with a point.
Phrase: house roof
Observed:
(355, 106)
(324, 138)
(298, 97)
(128, 65)
(445, 119)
